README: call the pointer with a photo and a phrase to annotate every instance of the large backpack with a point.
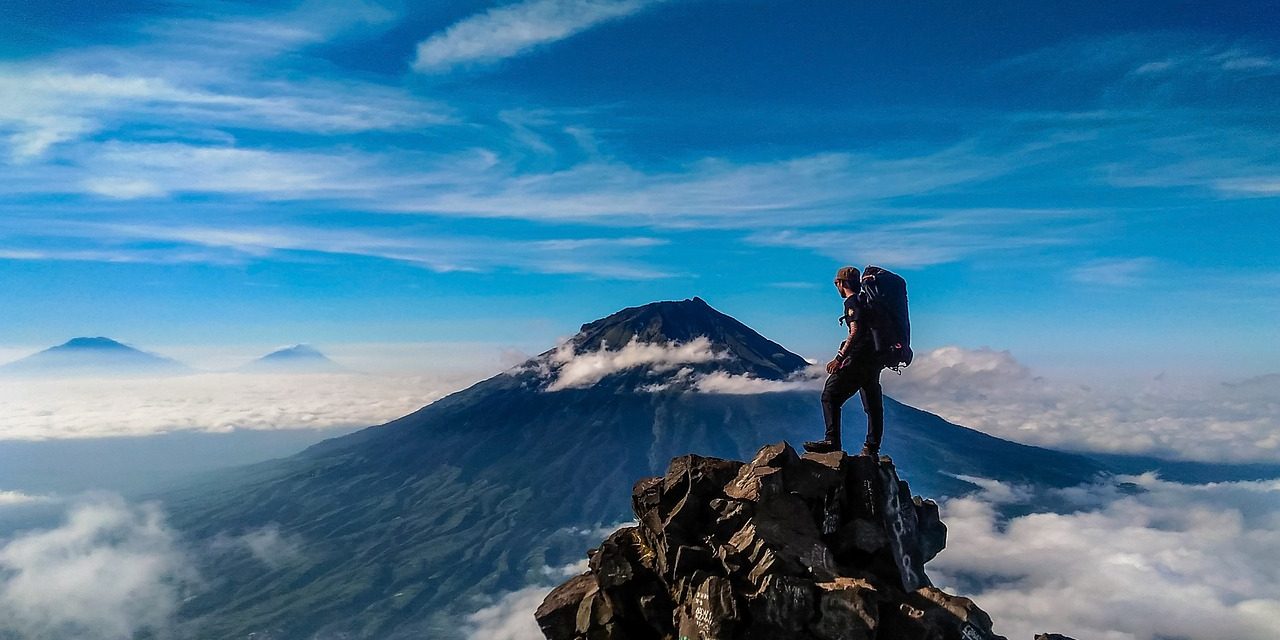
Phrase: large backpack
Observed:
(885, 292)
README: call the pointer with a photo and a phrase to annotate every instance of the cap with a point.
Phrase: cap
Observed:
(848, 274)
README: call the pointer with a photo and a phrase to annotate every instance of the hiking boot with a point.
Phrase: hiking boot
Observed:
(822, 446)
(867, 450)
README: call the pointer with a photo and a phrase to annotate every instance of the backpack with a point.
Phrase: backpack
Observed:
(885, 293)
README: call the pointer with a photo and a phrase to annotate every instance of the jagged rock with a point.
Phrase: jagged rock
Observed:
(933, 533)
(558, 613)
(812, 547)
(1052, 636)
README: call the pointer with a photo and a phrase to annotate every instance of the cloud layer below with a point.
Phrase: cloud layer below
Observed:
(1172, 561)
(215, 402)
(991, 391)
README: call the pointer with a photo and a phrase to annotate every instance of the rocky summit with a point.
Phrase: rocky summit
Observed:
(787, 546)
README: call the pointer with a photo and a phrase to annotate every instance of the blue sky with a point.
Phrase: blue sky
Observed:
(1089, 186)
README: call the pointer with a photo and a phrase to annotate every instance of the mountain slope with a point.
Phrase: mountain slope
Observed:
(404, 527)
(93, 356)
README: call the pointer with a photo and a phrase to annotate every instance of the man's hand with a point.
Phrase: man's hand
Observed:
(833, 366)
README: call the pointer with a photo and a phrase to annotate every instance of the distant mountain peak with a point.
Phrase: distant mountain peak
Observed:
(298, 358)
(93, 355)
(98, 342)
(740, 349)
(295, 351)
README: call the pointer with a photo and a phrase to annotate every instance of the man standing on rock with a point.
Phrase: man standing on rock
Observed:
(855, 368)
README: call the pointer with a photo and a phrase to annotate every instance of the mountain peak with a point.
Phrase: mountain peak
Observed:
(98, 342)
(295, 351)
(682, 321)
(91, 356)
(299, 358)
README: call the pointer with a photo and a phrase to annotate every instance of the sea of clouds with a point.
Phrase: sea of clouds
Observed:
(40, 409)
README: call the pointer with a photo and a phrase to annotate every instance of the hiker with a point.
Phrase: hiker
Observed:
(856, 368)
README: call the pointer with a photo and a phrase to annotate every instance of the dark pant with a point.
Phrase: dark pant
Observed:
(841, 386)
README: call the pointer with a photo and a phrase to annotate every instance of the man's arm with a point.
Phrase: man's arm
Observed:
(841, 353)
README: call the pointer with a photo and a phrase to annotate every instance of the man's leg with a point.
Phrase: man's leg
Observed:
(840, 386)
(873, 404)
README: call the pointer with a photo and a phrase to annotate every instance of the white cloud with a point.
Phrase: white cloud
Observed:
(609, 258)
(1174, 561)
(991, 391)
(10, 498)
(110, 571)
(55, 104)
(513, 29)
(126, 171)
(817, 189)
(39, 409)
(510, 617)
(190, 74)
(712, 192)
(810, 378)
(267, 544)
(576, 370)
(911, 239)
(1121, 272)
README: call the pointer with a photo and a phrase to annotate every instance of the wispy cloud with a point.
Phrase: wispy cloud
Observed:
(912, 238)
(718, 193)
(514, 29)
(1169, 109)
(10, 498)
(574, 370)
(1117, 272)
(1123, 63)
(192, 74)
(129, 171)
(606, 258)
(267, 544)
(715, 193)
(809, 379)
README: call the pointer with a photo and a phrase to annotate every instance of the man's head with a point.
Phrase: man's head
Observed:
(847, 279)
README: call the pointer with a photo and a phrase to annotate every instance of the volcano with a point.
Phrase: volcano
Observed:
(299, 358)
(400, 530)
(93, 356)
